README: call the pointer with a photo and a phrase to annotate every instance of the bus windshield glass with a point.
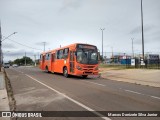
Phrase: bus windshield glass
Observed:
(87, 56)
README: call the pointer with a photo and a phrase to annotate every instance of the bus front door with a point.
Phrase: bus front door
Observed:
(52, 62)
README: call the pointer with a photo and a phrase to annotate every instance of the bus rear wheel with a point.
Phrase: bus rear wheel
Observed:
(65, 72)
(84, 76)
(46, 70)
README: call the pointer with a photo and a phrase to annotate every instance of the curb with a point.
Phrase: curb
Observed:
(4, 100)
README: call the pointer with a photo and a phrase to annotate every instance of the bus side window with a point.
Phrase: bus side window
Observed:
(40, 57)
(65, 53)
(57, 55)
(49, 56)
(60, 54)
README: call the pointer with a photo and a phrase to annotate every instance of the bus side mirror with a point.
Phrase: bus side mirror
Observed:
(98, 56)
(75, 53)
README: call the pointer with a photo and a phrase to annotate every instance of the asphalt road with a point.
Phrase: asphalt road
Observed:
(35, 90)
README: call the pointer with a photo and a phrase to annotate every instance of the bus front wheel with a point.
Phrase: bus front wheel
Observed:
(84, 76)
(65, 72)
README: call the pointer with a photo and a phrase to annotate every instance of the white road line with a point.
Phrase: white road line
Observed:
(18, 71)
(78, 103)
(95, 83)
(141, 93)
(155, 97)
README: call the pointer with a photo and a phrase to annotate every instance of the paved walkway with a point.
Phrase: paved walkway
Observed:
(137, 76)
(4, 102)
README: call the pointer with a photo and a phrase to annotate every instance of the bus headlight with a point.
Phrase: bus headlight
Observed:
(78, 67)
(96, 68)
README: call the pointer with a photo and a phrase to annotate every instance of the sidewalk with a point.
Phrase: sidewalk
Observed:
(137, 76)
(4, 102)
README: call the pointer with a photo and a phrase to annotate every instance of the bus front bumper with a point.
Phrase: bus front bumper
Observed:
(79, 72)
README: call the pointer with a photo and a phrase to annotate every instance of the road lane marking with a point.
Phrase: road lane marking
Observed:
(155, 97)
(140, 93)
(69, 98)
(18, 71)
(95, 83)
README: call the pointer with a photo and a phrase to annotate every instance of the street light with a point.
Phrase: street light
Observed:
(132, 48)
(112, 51)
(102, 40)
(9, 36)
(44, 45)
(142, 31)
(1, 45)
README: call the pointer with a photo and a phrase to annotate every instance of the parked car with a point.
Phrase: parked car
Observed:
(14, 65)
(6, 65)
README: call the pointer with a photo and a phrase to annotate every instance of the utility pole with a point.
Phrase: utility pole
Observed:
(34, 60)
(102, 40)
(132, 48)
(25, 59)
(0, 48)
(112, 51)
(142, 31)
(1, 45)
(44, 43)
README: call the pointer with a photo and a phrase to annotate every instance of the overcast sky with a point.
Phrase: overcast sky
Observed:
(62, 22)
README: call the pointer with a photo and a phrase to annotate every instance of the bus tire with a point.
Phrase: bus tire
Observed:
(65, 72)
(46, 70)
(84, 76)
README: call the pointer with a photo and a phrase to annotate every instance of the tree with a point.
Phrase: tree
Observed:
(10, 62)
(21, 61)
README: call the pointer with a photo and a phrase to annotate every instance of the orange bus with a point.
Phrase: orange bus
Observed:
(75, 59)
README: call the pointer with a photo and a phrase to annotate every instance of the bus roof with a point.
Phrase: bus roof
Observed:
(71, 45)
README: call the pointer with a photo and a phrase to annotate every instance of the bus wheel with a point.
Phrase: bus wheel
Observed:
(65, 72)
(84, 76)
(47, 69)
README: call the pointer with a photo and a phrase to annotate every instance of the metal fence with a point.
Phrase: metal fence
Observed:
(149, 64)
(125, 61)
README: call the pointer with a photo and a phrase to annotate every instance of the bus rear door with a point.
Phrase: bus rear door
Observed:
(72, 62)
(42, 60)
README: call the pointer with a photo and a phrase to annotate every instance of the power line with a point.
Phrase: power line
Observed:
(22, 44)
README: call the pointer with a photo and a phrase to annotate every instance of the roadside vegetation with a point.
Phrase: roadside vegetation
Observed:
(22, 61)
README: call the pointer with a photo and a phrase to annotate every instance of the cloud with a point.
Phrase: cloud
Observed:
(8, 46)
(70, 5)
(139, 29)
(18, 53)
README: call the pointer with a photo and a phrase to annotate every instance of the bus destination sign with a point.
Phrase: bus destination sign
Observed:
(81, 46)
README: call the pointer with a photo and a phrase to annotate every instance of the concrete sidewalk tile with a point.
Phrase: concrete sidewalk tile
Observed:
(4, 102)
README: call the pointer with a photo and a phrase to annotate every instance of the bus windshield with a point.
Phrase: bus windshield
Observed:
(87, 56)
